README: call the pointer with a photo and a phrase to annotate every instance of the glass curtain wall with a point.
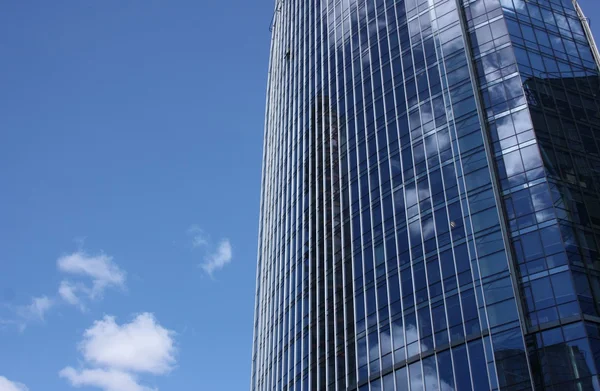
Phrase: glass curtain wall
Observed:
(430, 210)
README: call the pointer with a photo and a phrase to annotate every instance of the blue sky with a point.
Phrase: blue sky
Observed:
(130, 158)
(131, 146)
(591, 9)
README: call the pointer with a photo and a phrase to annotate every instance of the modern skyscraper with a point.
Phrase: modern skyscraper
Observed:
(430, 214)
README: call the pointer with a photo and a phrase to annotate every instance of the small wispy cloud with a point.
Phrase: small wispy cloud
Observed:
(7, 385)
(20, 316)
(86, 278)
(100, 268)
(199, 237)
(37, 309)
(69, 293)
(219, 258)
(215, 258)
(114, 355)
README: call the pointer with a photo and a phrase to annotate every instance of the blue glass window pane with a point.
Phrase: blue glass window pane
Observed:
(478, 365)
(498, 290)
(416, 376)
(402, 379)
(469, 305)
(489, 243)
(542, 293)
(477, 179)
(501, 313)
(444, 362)
(388, 382)
(563, 287)
(454, 313)
(551, 239)
(574, 331)
(397, 334)
(552, 336)
(461, 367)
(532, 246)
(492, 264)
(486, 219)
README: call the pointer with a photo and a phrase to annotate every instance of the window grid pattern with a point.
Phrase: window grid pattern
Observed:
(382, 260)
(548, 46)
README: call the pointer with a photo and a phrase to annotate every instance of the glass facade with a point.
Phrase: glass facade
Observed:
(430, 210)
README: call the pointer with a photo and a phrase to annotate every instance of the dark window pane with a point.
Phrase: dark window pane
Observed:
(461, 366)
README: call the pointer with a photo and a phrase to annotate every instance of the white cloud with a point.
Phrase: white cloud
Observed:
(37, 309)
(24, 314)
(115, 354)
(100, 268)
(218, 259)
(140, 346)
(102, 271)
(69, 293)
(214, 259)
(7, 385)
(199, 237)
(108, 380)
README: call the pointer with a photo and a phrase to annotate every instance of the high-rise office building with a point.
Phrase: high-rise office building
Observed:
(430, 215)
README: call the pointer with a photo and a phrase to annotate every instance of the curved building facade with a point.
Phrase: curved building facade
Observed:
(430, 213)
